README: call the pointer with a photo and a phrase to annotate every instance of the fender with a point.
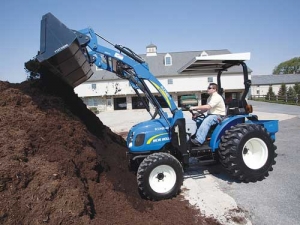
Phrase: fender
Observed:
(224, 125)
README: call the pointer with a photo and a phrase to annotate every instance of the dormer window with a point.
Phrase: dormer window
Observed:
(168, 60)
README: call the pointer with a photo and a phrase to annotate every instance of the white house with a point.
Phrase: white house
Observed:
(106, 91)
(261, 83)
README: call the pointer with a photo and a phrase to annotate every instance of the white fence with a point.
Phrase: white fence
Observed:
(286, 99)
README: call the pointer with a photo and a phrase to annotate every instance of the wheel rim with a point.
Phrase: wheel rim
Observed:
(255, 153)
(162, 179)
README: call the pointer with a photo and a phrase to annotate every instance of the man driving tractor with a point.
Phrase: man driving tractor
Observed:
(215, 109)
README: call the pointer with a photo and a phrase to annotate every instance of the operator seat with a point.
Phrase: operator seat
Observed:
(236, 107)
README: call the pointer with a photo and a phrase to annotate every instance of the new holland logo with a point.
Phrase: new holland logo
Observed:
(158, 138)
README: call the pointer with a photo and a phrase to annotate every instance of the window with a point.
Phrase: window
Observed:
(92, 102)
(168, 60)
(151, 50)
(170, 81)
(257, 92)
(210, 79)
(85, 100)
(94, 86)
(109, 102)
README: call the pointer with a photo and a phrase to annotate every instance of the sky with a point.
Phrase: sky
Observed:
(269, 29)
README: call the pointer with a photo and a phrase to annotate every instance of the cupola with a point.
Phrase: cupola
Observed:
(151, 50)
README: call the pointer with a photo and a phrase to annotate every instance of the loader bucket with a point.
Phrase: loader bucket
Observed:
(61, 52)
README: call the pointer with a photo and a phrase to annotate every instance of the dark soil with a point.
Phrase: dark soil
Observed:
(60, 165)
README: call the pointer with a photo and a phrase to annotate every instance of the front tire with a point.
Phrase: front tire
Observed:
(160, 176)
(247, 152)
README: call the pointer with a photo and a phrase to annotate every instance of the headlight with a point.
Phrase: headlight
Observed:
(139, 140)
(130, 138)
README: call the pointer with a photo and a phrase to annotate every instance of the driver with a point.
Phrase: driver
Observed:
(215, 108)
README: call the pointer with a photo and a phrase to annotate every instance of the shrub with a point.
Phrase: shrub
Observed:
(94, 110)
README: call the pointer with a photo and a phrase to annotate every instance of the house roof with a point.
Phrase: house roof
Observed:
(158, 69)
(151, 45)
(275, 79)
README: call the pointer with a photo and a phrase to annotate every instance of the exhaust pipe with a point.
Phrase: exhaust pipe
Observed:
(62, 53)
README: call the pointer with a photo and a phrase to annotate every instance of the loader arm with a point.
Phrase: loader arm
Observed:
(69, 54)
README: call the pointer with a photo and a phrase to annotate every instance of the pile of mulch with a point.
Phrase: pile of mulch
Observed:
(59, 164)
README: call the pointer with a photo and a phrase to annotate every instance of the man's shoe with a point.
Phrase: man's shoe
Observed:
(195, 142)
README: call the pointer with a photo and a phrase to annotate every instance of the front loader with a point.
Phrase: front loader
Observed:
(160, 148)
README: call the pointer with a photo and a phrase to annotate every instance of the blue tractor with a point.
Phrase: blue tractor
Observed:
(160, 148)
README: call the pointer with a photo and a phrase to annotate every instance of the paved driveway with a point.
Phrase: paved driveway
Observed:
(275, 200)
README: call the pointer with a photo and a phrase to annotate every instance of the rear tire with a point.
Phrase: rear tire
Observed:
(247, 152)
(159, 176)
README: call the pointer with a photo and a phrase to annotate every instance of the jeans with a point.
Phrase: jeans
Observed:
(205, 126)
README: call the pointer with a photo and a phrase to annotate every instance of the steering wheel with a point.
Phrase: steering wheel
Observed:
(197, 114)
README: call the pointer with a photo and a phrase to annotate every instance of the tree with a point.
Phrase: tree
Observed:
(270, 93)
(297, 88)
(291, 66)
(282, 90)
(291, 92)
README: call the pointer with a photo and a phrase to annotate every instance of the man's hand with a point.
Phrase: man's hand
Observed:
(195, 108)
